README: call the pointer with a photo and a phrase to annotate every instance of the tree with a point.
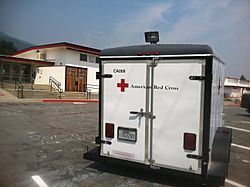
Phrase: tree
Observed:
(242, 77)
(7, 47)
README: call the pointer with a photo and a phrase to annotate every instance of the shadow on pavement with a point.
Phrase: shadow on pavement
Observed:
(141, 173)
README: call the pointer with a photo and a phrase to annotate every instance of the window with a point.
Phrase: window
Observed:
(25, 73)
(83, 57)
(6, 72)
(98, 60)
(40, 56)
(15, 74)
(91, 58)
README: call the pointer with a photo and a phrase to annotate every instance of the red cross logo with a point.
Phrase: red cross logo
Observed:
(122, 85)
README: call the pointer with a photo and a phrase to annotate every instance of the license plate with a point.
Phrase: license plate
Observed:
(127, 134)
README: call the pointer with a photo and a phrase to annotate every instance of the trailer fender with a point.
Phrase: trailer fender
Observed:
(221, 145)
(220, 155)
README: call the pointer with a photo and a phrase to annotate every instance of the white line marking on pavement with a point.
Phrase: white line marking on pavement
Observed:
(245, 122)
(234, 183)
(57, 151)
(79, 103)
(240, 146)
(239, 129)
(246, 161)
(39, 181)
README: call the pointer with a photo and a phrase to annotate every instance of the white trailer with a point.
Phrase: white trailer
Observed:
(161, 106)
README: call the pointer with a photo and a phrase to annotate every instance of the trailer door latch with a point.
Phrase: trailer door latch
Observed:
(198, 157)
(143, 114)
(99, 75)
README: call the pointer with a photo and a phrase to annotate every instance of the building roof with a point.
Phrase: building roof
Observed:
(7, 58)
(236, 79)
(161, 49)
(235, 82)
(62, 44)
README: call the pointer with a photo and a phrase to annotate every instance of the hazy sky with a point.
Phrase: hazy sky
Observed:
(223, 24)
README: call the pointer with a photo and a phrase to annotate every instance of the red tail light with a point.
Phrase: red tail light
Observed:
(109, 130)
(189, 141)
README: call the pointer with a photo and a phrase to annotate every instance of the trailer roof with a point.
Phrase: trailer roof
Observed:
(161, 49)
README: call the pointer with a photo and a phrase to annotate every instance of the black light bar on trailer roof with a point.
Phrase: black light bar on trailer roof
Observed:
(152, 37)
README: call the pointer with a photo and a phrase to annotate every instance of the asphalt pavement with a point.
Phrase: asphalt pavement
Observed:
(42, 144)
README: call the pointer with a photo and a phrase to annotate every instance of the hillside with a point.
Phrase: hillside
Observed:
(20, 44)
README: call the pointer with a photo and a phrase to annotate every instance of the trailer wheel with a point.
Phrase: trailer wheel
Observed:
(215, 183)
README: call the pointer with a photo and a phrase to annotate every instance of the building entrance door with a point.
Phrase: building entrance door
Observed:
(76, 79)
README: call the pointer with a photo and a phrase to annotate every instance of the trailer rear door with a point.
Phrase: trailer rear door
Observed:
(121, 95)
(178, 107)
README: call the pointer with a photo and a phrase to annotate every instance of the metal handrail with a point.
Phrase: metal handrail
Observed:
(55, 84)
(19, 89)
(89, 88)
(32, 83)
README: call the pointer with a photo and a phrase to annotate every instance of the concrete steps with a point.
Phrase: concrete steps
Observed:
(43, 92)
(41, 87)
(35, 94)
(78, 95)
(40, 94)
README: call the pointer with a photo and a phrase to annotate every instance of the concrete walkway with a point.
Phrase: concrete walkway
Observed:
(8, 97)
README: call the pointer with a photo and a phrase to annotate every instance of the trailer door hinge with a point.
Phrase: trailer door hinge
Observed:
(99, 75)
(198, 157)
(198, 78)
(106, 142)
